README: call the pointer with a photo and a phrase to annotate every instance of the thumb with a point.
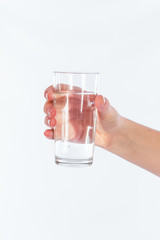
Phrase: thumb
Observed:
(102, 104)
(108, 117)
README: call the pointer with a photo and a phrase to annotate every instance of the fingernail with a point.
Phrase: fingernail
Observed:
(46, 133)
(46, 95)
(104, 100)
(49, 96)
(51, 112)
(49, 122)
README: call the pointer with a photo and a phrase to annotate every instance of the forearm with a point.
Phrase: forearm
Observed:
(137, 144)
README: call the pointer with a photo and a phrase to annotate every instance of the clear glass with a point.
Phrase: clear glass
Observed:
(74, 133)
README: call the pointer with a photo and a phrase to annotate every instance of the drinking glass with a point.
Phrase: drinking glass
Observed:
(74, 133)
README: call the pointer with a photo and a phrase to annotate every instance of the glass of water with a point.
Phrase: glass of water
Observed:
(74, 133)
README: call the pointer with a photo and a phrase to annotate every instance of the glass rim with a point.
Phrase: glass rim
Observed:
(77, 72)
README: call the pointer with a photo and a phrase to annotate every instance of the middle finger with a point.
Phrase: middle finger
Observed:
(49, 109)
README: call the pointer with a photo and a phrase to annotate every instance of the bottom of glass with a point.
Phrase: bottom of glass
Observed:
(73, 162)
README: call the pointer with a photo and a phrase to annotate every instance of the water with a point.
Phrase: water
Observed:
(75, 129)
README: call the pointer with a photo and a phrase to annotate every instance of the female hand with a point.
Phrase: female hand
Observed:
(108, 119)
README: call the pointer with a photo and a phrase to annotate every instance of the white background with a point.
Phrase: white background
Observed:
(112, 199)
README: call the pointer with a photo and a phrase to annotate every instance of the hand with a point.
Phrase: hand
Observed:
(108, 119)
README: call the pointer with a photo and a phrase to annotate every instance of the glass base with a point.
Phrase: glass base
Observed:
(73, 162)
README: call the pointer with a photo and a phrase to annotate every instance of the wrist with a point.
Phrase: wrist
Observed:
(118, 137)
(113, 135)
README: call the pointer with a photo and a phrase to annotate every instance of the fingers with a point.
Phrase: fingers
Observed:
(49, 133)
(74, 99)
(75, 104)
(51, 93)
(48, 93)
(67, 87)
(50, 122)
(50, 109)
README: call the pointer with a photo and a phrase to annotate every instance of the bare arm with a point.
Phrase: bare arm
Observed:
(137, 144)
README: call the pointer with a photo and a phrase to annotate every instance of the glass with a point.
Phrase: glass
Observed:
(74, 133)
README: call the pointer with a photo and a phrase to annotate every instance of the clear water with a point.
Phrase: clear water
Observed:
(75, 129)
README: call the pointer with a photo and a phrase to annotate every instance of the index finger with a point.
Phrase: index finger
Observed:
(48, 93)
(51, 92)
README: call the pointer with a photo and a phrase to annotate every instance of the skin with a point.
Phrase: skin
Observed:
(136, 143)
